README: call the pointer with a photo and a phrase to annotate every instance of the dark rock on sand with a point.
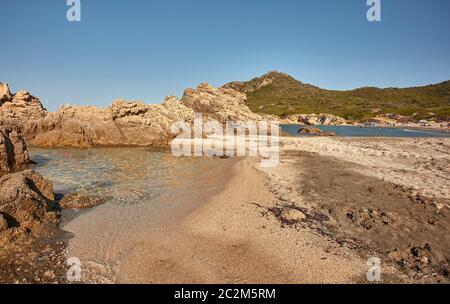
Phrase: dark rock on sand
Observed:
(81, 201)
(315, 132)
(26, 200)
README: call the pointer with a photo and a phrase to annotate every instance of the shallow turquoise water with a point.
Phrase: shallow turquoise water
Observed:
(148, 191)
(348, 131)
(127, 175)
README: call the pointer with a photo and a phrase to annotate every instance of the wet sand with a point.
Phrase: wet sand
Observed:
(115, 233)
(34, 259)
(225, 239)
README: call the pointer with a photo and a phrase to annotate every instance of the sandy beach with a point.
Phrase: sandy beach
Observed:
(315, 218)
(260, 145)
(229, 238)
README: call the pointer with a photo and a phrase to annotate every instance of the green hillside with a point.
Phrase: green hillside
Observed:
(280, 94)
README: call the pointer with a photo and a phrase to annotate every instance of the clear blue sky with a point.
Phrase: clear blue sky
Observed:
(147, 49)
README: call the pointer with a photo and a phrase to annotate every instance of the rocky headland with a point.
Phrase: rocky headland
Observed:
(120, 124)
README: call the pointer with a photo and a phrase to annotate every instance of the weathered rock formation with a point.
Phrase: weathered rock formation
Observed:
(221, 104)
(13, 152)
(314, 119)
(5, 94)
(19, 107)
(26, 200)
(121, 123)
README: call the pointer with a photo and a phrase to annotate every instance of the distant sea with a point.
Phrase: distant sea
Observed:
(354, 131)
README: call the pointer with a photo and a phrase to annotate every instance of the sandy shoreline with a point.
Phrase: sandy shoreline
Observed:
(317, 217)
(356, 204)
(228, 239)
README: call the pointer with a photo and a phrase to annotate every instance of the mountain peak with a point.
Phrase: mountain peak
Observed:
(270, 78)
(275, 74)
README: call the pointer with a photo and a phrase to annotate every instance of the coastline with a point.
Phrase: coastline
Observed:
(129, 236)
(422, 129)
(236, 224)
(226, 237)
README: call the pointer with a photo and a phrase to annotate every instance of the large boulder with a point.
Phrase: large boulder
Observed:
(26, 200)
(221, 104)
(13, 152)
(19, 107)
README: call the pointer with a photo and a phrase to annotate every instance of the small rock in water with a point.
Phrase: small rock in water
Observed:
(81, 201)
(315, 131)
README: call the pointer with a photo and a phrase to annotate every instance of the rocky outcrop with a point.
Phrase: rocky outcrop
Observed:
(19, 107)
(121, 123)
(26, 200)
(315, 132)
(221, 104)
(13, 152)
(315, 120)
(5, 94)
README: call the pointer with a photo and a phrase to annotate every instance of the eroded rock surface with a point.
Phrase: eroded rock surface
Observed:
(121, 123)
(26, 200)
(13, 152)
(221, 104)
(20, 107)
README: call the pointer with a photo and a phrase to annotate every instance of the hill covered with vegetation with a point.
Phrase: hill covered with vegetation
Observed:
(282, 95)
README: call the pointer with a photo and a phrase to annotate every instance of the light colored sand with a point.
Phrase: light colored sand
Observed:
(422, 164)
(226, 240)
(256, 249)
